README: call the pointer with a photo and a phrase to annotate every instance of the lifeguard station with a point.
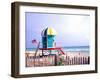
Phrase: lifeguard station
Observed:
(48, 42)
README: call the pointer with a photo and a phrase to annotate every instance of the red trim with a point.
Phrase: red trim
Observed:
(59, 48)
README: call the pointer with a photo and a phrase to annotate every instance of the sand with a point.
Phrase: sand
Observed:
(69, 53)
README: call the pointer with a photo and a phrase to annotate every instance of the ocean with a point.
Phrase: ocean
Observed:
(69, 49)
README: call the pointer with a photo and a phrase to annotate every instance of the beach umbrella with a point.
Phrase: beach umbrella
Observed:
(49, 31)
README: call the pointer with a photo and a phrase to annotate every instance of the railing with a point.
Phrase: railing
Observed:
(54, 60)
(47, 60)
(73, 60)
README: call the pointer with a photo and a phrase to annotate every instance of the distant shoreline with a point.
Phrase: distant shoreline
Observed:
(67, 47)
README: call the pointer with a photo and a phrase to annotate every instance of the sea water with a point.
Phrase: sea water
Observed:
(77, 49)
(69, 49)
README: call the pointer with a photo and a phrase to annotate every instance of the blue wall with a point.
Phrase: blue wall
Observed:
(48, 41)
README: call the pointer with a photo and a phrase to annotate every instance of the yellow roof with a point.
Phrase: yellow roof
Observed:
(51, 31)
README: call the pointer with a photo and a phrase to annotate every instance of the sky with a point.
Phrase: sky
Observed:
(72, 30)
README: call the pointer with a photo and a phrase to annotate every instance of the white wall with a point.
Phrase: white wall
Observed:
(5, 40)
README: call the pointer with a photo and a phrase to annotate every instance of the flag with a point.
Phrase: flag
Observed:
(34, 41)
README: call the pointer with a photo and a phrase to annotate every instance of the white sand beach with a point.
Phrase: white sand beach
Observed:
(69, 53)
(69, 58)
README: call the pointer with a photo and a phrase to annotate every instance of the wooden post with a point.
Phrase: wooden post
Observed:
(55, 60)
(88, 60)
